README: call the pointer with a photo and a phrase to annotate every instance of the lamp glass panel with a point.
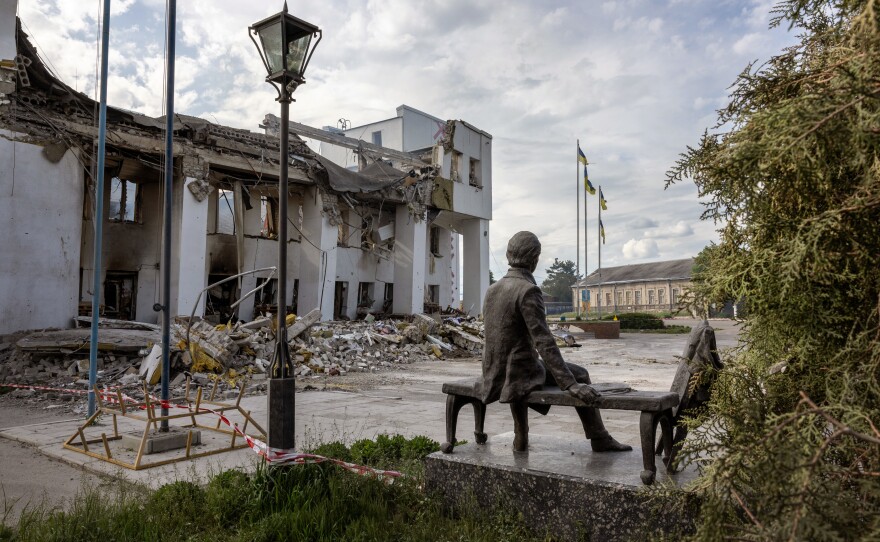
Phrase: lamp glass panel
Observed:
(270, 37)
(296, 53)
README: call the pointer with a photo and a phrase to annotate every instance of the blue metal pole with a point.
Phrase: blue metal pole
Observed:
(99, 209)
(166, 227)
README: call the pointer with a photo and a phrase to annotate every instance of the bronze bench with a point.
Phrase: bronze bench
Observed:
(655, 406)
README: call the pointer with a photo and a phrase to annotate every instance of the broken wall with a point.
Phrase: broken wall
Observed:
(128, 247)
(472, 144)
(262, 252)
(355, 266)
(420, 130)
(41, 211)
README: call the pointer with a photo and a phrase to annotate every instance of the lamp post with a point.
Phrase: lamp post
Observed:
(285, 46)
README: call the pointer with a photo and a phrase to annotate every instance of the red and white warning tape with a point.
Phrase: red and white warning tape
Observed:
(275, 456)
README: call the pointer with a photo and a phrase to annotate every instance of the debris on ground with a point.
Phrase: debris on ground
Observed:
(130, 353)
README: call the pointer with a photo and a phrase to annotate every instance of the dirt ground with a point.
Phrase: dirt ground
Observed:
(642, 360)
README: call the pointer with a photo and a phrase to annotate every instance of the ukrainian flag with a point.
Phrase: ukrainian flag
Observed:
(602, 201)
(602, 230)
(582, 158)
(588, 186)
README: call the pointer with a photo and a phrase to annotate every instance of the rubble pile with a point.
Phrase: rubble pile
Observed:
(130, 353)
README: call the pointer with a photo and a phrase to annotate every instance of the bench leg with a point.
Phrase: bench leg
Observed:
(670, 450)
(479, 419)
(520, 411)
(648, 431)
(453, 406)
(675, 446)
(666, 429)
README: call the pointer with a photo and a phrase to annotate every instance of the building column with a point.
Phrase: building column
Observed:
(475, 252)
(317, 256)
(190, 274)
(251, 226)
(447, 266)
(410, 253)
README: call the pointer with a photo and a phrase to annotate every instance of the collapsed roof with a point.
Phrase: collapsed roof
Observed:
(57, 116)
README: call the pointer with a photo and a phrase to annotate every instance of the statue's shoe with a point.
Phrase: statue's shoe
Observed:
(608, 444)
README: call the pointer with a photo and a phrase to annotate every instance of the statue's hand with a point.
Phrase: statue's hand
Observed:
(584, 392)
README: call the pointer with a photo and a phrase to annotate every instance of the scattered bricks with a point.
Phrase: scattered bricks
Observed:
(200, 379)
(177, 380)
(129, 379)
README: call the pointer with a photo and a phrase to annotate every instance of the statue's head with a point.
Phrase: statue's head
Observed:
(524, 250)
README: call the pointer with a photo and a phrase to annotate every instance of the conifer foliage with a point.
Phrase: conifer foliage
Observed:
(790, 444)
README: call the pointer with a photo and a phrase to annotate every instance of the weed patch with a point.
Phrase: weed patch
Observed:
(318, 502)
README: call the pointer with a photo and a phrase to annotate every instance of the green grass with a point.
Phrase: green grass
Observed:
(307, 502)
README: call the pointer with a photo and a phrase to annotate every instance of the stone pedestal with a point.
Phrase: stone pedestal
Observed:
(560, 486)
(158, 441)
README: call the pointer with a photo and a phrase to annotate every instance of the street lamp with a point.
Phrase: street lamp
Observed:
(285, 46)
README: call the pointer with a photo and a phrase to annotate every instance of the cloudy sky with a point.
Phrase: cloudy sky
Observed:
(635, 80)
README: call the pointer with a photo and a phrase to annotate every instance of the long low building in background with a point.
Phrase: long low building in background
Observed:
(642, 287)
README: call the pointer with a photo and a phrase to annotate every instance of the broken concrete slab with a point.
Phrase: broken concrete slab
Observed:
(151, 366)
(77, 340)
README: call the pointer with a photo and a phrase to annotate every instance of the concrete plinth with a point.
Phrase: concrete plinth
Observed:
(562, 487)
(158, 441)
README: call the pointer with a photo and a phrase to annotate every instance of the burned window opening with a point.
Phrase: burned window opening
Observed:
(220, 299)
(455, 166)
(225, 212)
(125, 201)
(120, 295)
(435, 241)
(343, 230)
(268, 217)
(474, 176)
(266, 300)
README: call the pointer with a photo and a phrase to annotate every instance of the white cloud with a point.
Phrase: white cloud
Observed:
(641, 249)
(679, 229)
(534, 75)
(751, 44)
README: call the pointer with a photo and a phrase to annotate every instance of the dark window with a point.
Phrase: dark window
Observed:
(124, 201)
(377, 138)
(268, 217)
(474, 176)
(365, 294)
(226, 212)
(435, 241)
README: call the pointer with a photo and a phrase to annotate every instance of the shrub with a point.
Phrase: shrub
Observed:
(637, 320)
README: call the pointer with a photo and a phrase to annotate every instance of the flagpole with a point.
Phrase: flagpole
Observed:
(599, 231)
(577, 229)
(586, 269)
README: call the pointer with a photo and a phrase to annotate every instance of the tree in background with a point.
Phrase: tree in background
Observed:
(561, 276)
(790, 443)
(491, 278)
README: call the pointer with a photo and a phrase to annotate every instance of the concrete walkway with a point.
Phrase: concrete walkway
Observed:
(409, 402)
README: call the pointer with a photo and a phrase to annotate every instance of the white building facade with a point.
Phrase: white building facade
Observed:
(395, 248)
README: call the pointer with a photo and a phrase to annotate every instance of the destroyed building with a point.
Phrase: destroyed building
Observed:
(386, 238)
